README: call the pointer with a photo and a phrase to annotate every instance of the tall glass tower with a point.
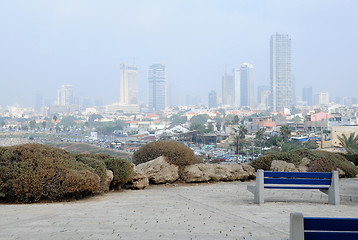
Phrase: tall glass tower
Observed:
(157, 87)
(280, 66)
(247, 84)
(129, 84)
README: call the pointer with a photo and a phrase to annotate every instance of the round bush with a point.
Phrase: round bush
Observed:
(32, 171)
(175, 153)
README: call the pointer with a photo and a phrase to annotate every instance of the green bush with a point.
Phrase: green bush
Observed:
(321, 161)
(351, 157)
(32, 171)
(98, 166)
(123, 171)
(264, 162)
(176, 153)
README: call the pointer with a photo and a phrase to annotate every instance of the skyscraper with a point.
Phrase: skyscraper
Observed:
(246, 85)
(307, 95)
(157, 87)
(213, 102)
(280, 68)
(65, 95)
(228, 90)
(128, 84)
(237, 83)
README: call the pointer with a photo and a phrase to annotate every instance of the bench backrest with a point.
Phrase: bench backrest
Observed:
(330, 228)
(315, 228)
(323, 179)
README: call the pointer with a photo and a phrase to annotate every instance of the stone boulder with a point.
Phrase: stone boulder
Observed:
(159, 171)
(282, 166)
(250, 171)
(214, 172)
(303, 167)
(107, 181)
(139, 181)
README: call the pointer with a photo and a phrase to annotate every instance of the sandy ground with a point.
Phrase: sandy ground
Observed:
(191, 211)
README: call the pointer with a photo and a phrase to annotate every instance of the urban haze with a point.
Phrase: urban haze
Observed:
(47, 44)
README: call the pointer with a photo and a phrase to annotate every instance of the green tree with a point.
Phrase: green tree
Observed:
(54, 118)
(350, 144)
(199, 119)
(235, 120)
(197, 127)
(285, 132)
(210, 128)
(44, 124)
(68, 121)
(32, 124)
(176, 119)
(94, 117)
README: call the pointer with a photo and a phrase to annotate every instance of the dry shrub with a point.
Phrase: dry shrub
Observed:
(175, 153)
(32, 171)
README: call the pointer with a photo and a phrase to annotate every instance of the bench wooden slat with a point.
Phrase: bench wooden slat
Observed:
(298, 174)
(294, 187)
(331, 235)
(331, 224)
(297, 181)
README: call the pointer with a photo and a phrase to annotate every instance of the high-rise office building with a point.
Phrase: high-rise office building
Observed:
(157, 87)
(246, 85)
(213, 100)
(261, 89)
(228, 90)
(322, 98)
(237, 83)
(128, 84)
(280, 71)
(307, 95)
(65, 95)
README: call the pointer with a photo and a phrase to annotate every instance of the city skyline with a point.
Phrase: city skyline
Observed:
(48, 44)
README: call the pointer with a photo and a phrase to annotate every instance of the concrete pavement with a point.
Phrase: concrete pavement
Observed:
(222, 210)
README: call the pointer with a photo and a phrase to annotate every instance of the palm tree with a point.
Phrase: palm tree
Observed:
(260, 136)
(240, 136)
(350, 144)
(285, 132)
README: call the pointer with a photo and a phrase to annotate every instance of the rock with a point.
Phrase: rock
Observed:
(341, 173)
(139, 181)
(250, 171)
(214, 172)
(305, 161)
(159, 171)
(303, 167)
(282, 166)
(107, 181)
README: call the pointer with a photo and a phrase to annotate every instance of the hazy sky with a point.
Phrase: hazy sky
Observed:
(45, 44)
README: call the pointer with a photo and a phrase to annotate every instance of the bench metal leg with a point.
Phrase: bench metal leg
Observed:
(333, 191)
(296, 226)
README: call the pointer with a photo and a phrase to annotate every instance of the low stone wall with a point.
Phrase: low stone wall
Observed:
(159, 171)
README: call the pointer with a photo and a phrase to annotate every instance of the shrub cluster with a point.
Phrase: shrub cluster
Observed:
(321, 161)
(32, 172)
(176, 153)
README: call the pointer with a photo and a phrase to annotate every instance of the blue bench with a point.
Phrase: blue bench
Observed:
(316, 228)
(327, 182)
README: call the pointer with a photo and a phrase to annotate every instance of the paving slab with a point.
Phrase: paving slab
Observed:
(223, 210)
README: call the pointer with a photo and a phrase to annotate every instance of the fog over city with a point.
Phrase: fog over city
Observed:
(46, 44)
